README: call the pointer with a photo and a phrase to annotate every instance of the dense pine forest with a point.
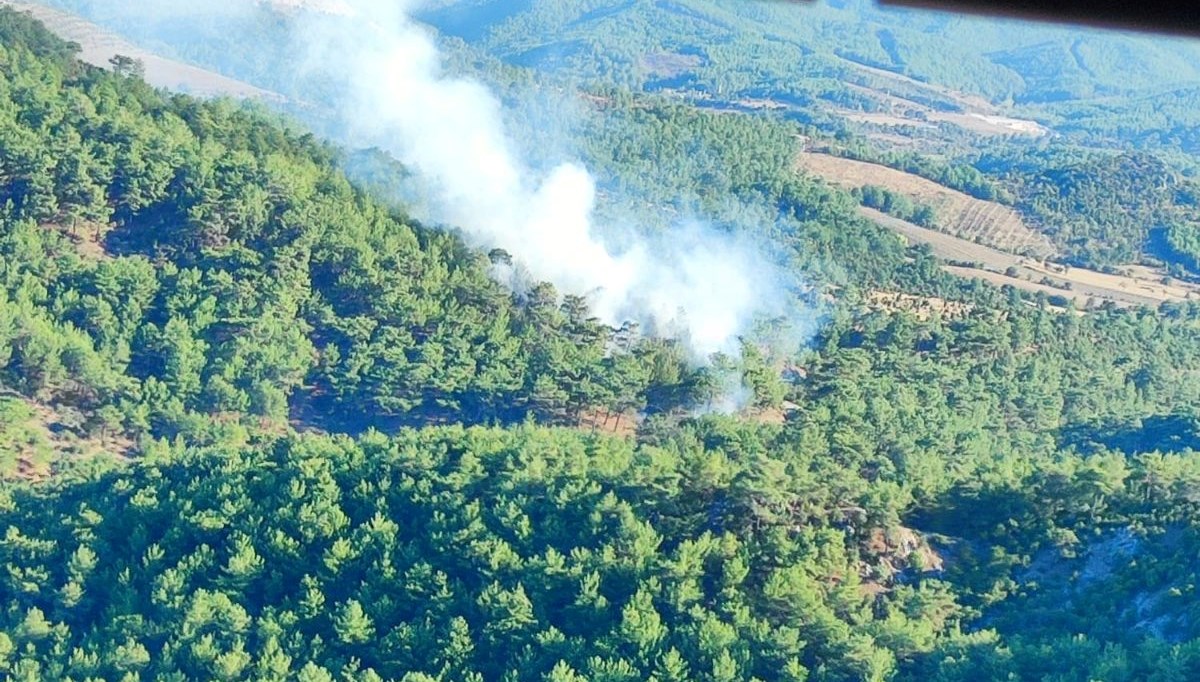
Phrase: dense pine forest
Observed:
(257, 423)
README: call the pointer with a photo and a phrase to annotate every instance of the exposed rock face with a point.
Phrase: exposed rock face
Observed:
(898, 556)
(1074, 577)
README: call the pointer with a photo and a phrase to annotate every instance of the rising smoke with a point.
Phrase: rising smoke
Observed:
(700, 284)
(449, 131)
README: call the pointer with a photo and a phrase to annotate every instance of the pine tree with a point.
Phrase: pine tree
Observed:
(352, 624)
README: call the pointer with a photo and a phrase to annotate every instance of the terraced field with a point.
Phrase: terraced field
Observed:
(958, 214)
(1135, 286)
(989, 241)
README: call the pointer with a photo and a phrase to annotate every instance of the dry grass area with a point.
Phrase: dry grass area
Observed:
(894, 141)
(98, 45)
(776, 416)
(34, 437)
(602, 421)
(958, 214)
(883, 119)
(670, 64)
(961, 98)
(923, 307)
(978, 115)
(87, 238)
(1135, 286)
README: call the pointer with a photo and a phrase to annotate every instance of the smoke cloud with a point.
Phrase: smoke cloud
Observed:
(449, 131)
(694, 282)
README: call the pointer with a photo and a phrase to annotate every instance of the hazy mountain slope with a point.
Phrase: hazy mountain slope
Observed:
(777, 41)
(98, 47)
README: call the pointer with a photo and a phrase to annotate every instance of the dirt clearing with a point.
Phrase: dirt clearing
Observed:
(922, 307)
(977, 115)
(35, 438)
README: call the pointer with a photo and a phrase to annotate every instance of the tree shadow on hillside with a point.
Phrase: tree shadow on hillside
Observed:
(152, 232)
(1161, 433)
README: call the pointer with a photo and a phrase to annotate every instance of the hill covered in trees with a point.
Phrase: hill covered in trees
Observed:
(339, 450)
(905, 88)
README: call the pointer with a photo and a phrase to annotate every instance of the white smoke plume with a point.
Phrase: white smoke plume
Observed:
(700, 284)
(449, 131)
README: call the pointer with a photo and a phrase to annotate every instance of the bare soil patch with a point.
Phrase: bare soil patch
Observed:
(86, 237)
(602, 421)
(991, 124)
(776, 416)
(963, 99)
(31, 448)
(978, 115)
(923, 307)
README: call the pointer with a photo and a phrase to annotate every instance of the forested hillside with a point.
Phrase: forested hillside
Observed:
(819, 63)
(855, 55)
(177, 261)
(256, 423)
(956, 99)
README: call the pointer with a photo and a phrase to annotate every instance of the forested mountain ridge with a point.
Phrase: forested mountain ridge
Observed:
(964, 92)
(845, 56)
(236, 267)
(997, 63)
(203, 277)
(825, 62)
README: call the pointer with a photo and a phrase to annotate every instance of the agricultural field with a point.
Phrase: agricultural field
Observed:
(1134, 286)
(958, 214)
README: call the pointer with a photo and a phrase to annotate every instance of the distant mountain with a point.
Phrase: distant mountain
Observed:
(98, 46)
(827, 64)
(770, 43)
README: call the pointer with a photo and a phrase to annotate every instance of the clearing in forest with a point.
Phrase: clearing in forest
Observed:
(34, 437)
(975, 114)
(957, 214)
(922, 307)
